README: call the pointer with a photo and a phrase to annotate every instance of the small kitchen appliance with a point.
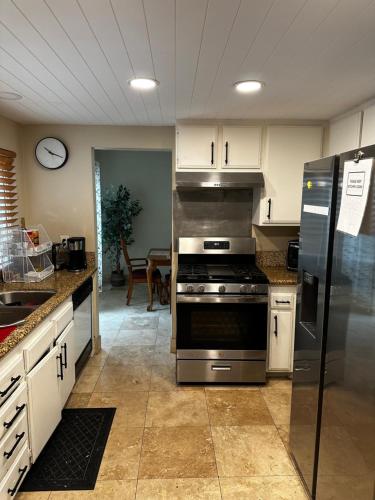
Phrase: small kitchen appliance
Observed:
(59, 256)
(292, 255)
(222, 308)
(77, 254)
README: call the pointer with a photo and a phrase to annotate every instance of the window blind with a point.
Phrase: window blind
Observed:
(8, 198)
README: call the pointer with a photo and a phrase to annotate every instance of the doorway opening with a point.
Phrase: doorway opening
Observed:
(147, 175)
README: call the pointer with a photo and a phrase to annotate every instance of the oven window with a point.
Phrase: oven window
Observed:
(222, 326)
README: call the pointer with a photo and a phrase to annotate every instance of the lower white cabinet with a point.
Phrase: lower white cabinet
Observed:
(12, 481)
(281, 329)
(44, 401)
(66, 362)
(280, 340)
(11, 445)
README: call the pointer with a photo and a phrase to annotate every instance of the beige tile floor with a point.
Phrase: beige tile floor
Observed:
(169, 442)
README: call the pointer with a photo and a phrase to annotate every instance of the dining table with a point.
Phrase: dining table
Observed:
(156, 257)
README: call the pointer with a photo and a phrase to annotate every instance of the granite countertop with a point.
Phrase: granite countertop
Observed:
(63, 282)
(280, 276)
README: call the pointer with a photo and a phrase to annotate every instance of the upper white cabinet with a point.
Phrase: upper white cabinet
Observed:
(344, 134)
(287, 148)
(197, 146)
(368, 126)
(241, 147)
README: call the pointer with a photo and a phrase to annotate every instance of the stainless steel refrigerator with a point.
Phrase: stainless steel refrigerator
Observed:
(332, 432)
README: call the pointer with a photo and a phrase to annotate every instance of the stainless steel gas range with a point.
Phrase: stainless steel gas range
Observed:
(222, 304)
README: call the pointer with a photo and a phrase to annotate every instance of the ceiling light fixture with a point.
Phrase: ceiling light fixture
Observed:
(247, 86)
(143, 83)
(10, 96)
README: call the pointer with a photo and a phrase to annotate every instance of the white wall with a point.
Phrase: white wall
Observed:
(63, 200)
(10, 138)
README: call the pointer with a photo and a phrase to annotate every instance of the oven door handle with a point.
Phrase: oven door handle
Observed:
(222, 299)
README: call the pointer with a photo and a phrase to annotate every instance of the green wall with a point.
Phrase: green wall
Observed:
(148, 176)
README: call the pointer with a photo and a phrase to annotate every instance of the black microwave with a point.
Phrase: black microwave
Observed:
(292, 255)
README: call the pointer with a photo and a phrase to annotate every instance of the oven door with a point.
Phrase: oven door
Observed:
(222, 327)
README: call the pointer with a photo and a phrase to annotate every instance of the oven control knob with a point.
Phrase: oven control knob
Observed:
(253, 288)
(244, 289)
(201, 288)
(190, 288)
(221, 289)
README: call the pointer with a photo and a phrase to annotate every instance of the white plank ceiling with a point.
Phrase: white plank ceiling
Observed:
(71, 59)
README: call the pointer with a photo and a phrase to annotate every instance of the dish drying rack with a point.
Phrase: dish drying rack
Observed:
(25, 253)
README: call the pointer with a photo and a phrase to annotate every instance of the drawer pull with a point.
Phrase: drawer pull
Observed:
(8, 454)
(22, 472)
(13, 382)
(18, 411)
(282, 301)
(219, 368)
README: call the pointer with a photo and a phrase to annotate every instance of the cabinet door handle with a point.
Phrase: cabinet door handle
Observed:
(22, 472)
(61, 374)
(13, 382)
(226, 153)
(18, 411)
(212, 152)
(65, 363)
(8, 454)
(269, 208)
(282, 301)
(276, 329)
(302, 369)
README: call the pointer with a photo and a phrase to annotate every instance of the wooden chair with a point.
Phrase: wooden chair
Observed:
(137, 273)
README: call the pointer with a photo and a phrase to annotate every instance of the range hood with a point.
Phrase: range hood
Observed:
(218, 180)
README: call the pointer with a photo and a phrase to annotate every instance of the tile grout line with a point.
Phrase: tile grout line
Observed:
(213, 442)
(141, 448)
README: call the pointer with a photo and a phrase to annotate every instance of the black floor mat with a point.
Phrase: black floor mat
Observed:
(72, 457)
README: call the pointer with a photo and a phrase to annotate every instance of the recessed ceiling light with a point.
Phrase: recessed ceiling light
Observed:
(10, 96)
(248, 86)
(143, 83)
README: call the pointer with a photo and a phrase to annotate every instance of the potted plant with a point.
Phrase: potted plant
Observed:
(118, 211)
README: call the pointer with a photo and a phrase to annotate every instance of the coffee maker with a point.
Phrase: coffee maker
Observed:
(77, 254)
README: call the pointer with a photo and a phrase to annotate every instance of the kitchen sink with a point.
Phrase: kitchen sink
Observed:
(25, 298)
(16, 305)
(13, 316)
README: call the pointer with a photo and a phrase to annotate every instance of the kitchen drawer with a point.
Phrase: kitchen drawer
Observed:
(282, 300)
(62, 316)
(10, 411)
(41, 340)
(11, 445)
(12, 481)
(210, 370)
(11, 376)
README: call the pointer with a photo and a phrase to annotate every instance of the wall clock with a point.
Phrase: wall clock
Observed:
(51, 153)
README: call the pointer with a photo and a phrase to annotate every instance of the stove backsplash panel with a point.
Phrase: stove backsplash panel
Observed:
(212, 213)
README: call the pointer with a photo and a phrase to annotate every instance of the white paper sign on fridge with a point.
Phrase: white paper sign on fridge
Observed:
(355, 189)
